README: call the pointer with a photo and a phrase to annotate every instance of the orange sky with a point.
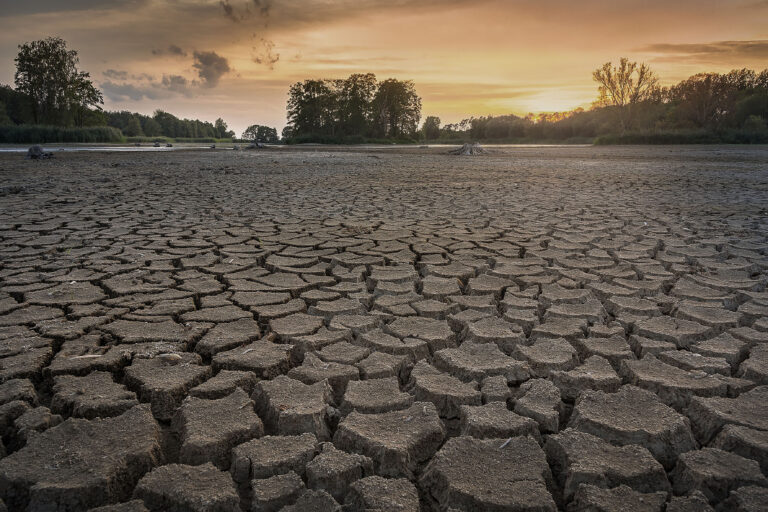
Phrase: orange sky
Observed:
(467, 58)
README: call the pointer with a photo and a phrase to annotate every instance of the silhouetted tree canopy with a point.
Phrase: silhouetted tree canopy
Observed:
(431, 128)
(222, 130)
(260, 133)
(163, 124)
(397, 108)
(625, 86)
(707, 107)
(630, 107)
(46, 72)
(358, 106)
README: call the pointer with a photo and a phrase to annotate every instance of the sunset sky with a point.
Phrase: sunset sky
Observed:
(236, 59)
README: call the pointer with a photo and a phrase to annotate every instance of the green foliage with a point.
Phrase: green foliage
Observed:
(18, 106)
(431, 128)
(260, 133)
(60, 94)
(397, 109)
(355, 103)
(133, 128)
(163, 124)
(706, 108)
(4, 119)
(358, 106)
(222, 130)
(39, 134)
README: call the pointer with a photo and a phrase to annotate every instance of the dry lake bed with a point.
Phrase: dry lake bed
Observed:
(389, 329)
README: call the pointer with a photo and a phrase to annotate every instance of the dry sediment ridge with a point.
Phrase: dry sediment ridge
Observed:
(315, 329)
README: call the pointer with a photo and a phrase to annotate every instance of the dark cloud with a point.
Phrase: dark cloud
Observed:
(127, 91)
(229, 11)
(310, 12)
(145, 86)
(172, 49)
(245, 11)
(263, 7)
(210, 67)
(19, 7)
(175, 50)
(115, 74)
(719, 52)
(176, 83)
(264, 53)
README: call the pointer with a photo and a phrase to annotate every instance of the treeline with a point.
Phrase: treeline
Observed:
(352, 110)
(54, 101)
(163, 124)
(705, 108)
(20, 134)
(17, 108)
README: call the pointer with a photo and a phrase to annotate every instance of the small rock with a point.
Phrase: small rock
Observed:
(272, 455)
(273, 493)
(385, 494)
(191, 488)
(490, 474)
(209, 429)
(333, 470)
(397, 441)
(618, 499)
(715, 473)
(290, 407)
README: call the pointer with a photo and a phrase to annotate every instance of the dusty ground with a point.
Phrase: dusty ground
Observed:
(385, 329)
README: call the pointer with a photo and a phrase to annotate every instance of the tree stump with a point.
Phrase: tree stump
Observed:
(469, 150)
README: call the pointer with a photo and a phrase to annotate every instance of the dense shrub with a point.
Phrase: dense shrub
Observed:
(730, 136)
(30, 133)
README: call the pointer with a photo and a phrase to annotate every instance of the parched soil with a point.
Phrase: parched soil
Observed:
(391, 329)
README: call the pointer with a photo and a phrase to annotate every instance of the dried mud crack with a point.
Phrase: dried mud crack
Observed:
(565, 328)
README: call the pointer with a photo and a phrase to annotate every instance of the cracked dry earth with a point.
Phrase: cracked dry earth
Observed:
(394, 330)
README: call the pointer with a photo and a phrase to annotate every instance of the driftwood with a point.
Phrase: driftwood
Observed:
(469, 150)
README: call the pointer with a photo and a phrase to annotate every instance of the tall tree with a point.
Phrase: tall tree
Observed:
(431, 128)
(397, 108)
(624, 86)
(312, 107)
(356, 95)
(46, 71)
(133, 128)
(222, 130)
(703, 99)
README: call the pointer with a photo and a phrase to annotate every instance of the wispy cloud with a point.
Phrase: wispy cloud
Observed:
(717, 52)
(172, 50)
(121, 86)
(115, 74)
